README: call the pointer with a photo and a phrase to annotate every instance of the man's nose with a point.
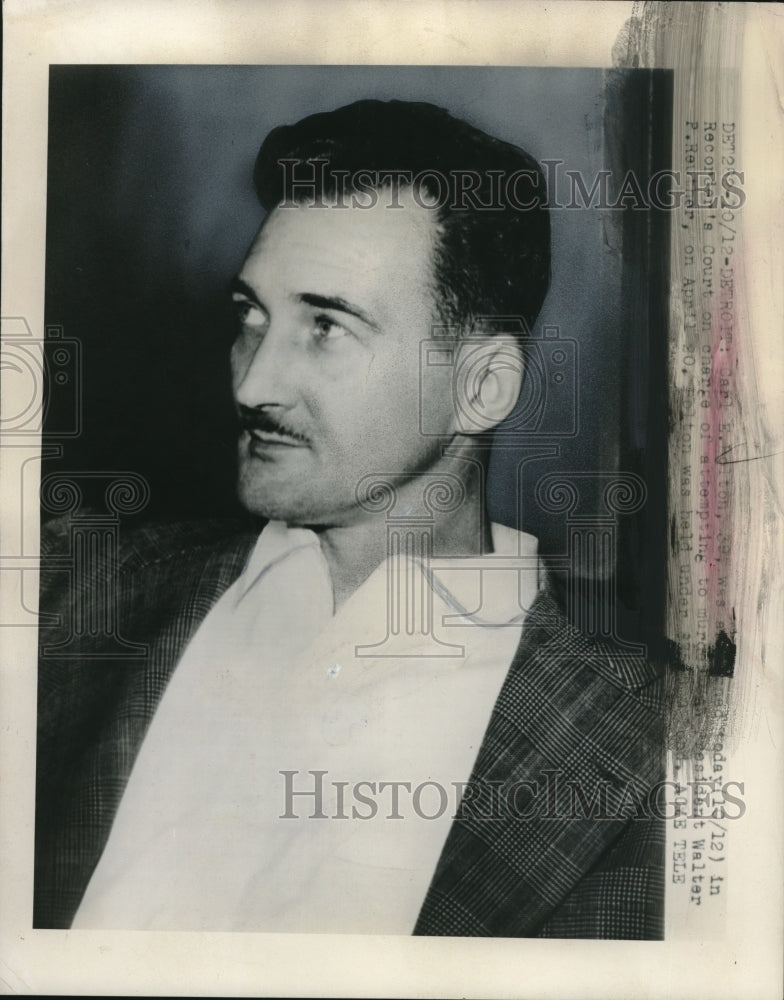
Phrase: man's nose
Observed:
(262, 373)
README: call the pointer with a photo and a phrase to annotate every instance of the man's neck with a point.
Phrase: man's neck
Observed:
(456, 521)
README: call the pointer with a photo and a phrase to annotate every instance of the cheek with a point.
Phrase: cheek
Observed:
(340, 392)
(240, 358)
(386, 430)
(371, 411)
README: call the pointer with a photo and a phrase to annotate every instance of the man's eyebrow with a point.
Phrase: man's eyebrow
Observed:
(339, 305)
(335, 302)
(238, 284)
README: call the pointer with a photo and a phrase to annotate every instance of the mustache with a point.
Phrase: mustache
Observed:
(260, 420)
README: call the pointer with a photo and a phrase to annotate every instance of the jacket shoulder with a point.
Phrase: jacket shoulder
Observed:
(136, 578)
(549, 635)
(153, 543)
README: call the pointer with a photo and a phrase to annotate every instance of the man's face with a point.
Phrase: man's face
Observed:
(332, 305)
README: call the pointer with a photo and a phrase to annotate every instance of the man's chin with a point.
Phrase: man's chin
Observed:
(277, 502)
(261, 504)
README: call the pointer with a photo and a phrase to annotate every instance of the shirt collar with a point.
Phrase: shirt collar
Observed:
(508, 584)
(503, 599)
(276, 542)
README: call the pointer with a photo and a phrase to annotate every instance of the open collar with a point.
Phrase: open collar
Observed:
(452, 580)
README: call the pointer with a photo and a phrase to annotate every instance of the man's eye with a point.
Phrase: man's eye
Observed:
(326, 328)
(249, 314)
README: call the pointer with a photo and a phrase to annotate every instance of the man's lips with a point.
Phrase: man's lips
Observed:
(269, 439)
(265, 432)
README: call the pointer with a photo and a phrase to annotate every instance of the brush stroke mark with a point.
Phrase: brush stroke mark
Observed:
(723, 505)
(720, 500)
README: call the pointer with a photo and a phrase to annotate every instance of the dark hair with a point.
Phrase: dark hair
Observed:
(493, 254)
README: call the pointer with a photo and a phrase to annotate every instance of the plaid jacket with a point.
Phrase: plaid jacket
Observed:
(578, 717)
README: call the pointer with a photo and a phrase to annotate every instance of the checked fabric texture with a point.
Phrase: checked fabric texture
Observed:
(572, 713)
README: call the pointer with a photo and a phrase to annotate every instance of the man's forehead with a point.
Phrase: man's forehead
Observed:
(374, 236)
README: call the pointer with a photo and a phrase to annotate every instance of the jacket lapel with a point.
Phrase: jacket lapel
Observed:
(573, 718)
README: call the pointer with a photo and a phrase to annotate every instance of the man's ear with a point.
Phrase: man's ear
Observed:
(488, 376)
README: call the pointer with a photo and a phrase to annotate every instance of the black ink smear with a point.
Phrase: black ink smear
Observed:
(721, 657)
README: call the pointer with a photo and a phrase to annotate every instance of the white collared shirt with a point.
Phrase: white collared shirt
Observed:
(212, 832)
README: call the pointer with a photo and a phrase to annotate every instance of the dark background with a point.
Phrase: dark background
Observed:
(151, 210)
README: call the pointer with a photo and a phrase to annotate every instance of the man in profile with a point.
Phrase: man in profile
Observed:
(286, 756)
